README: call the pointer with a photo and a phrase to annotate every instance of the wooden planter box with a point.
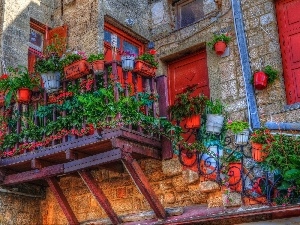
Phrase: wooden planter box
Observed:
(77, 69)
(144, 69)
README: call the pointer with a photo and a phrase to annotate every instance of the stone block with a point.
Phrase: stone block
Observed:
(171, 167)
(179, 184)
(208, 186)
(215, 200)
(267, 18)
(169, 197)
(196, 195)
(190, 176)
(232, 199)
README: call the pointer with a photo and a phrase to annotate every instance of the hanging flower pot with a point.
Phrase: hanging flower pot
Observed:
(242, 137)
(260, 80)
(258, 153)
(144, 69)
(23, 95)
(91, 129)
(214, 123)
(234, 173)
(98, 66)
(77, 69)
(193, 122)
(127, 62)
(220, 47)
(51, 81)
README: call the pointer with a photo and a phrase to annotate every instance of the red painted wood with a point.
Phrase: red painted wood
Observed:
(288, 19)
(99, 196)
(62, 200)
(57, 32)
(143, 185)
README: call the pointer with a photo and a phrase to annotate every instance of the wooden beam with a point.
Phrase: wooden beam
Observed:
(39, 164)
(62, 201)
(143, 185)
(99, 196)
(69, 167)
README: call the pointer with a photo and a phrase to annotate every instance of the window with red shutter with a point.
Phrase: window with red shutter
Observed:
(288, 18)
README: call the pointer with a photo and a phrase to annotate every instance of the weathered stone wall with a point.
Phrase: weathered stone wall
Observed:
(173, 186)
(19, 210)
(264, 49)
(16, 27)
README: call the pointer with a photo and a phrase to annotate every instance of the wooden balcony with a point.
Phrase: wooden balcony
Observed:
(112, 148)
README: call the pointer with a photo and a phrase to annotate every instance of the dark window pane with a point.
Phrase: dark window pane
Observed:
(36, 40)
(190, 12)
(131, 48)
(107, 38)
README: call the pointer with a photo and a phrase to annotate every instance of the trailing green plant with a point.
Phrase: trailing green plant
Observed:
(237, 126)
(71, 56)
(186, 105)
(94, 57)
(47, 64)
(218, 37)
(19, 78)
(262, 136)
(215, 107)
(271, 73)
(149, 58)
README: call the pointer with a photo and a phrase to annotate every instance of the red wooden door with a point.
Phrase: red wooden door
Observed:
(288, 18)
(124, 43)
(185, 72)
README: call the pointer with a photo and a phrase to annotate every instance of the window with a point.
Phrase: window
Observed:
(189, 12)
(288, 18)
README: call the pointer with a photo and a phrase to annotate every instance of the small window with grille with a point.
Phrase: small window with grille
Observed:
(189, 12)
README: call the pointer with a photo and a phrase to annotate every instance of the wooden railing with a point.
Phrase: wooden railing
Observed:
(19, 118)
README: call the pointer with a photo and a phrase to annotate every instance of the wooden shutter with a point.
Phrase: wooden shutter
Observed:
(288, 18)
(57, 36)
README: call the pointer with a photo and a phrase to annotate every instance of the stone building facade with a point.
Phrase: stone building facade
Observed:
(154, 21)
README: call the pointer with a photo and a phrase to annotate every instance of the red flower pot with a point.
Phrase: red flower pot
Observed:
(260, 80)
(234, 173)
(23, 95)
(258, 154)
(98, 66)
(77, 69)
(220, 47)
(193, 122)
(144, 69)
(91, 129)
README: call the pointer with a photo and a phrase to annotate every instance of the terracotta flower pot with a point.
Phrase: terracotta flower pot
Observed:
(91, 129)
(98, 66)
(77, 69)
(23, 95)
(193, 122)
(258, 154)
(234, 173)
(260, 80)
(220, 47)
(144, 69)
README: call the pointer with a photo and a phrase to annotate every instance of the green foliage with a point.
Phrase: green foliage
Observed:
(215, 107)
(262, 136)
(94, 57)
(185, 105)
(271, 73)
(218, 37)
(48, 64)
(70, 57)
(237, 126)
(149, 58)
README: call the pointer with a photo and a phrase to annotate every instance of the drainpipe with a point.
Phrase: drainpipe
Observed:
(244, 59)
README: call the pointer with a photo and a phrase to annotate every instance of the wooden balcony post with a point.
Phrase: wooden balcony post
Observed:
(99, 196)
(143, 185)
(62, 201)
(163, 101)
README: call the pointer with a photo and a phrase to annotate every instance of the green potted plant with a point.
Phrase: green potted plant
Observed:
(214, 116)
(75, 65)
(262, 78)
(146, 64)
(97, 62)
(49, 67)
(240, 129)
(260, 140)
(188, 107)
(219, 43)
(19, 84)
